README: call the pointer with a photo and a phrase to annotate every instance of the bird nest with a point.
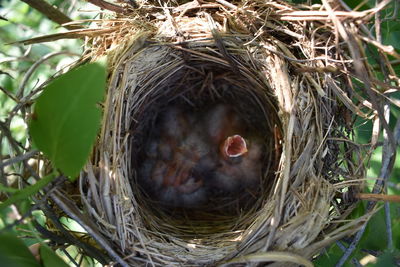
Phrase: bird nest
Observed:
(288, 71)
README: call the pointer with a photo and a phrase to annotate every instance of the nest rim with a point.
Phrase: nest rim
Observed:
(286, 205)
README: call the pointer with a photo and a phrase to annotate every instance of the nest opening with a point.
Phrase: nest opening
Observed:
(198, 86)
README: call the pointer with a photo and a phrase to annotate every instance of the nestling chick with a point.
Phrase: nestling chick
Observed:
(239, 151)
(175, 165)
(191, 156)
(242, 170)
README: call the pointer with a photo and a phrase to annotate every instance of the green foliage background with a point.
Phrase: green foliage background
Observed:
(16, 59)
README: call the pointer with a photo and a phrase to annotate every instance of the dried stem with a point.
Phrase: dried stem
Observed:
(108, 6)
(51, 12)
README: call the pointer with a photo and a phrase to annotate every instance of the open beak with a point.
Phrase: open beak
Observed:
(233, 146)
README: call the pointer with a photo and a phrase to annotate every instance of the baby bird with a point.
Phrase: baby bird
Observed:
(175, 163)
(238, 150)
(190, 156)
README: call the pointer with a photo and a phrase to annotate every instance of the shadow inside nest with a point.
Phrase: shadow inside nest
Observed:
(206, 146)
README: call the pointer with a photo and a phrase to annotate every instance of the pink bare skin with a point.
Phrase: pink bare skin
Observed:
(235, 174)
(239, 154)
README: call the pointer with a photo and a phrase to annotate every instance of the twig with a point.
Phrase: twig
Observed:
(378, 24)
(384, 48)
(19, 158)
(325, 58)
(20, 91)
(340, 245)
(227, 4)
(28, 213)
(378, 197)
(90, 250)
(20, 58)
(389, 225)
(70, 257)
(73, 212)
(389, 158)
(108, 6)
(220, 45)
(343, 248)
(396, 132)
(387, 152)
(5, 130)
(51, 13)
(386, 168)
(8, 94)
(352, 246)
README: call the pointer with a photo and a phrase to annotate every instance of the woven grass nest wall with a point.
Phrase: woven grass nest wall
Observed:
(287, 73)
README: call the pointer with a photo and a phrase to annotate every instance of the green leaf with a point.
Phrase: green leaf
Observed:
(26, 192)
(358, 211)
(66, 119)
(375, 237)
(13, 252)
(7, 189)
(331, 257)
(50, 258)
(388, 258)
